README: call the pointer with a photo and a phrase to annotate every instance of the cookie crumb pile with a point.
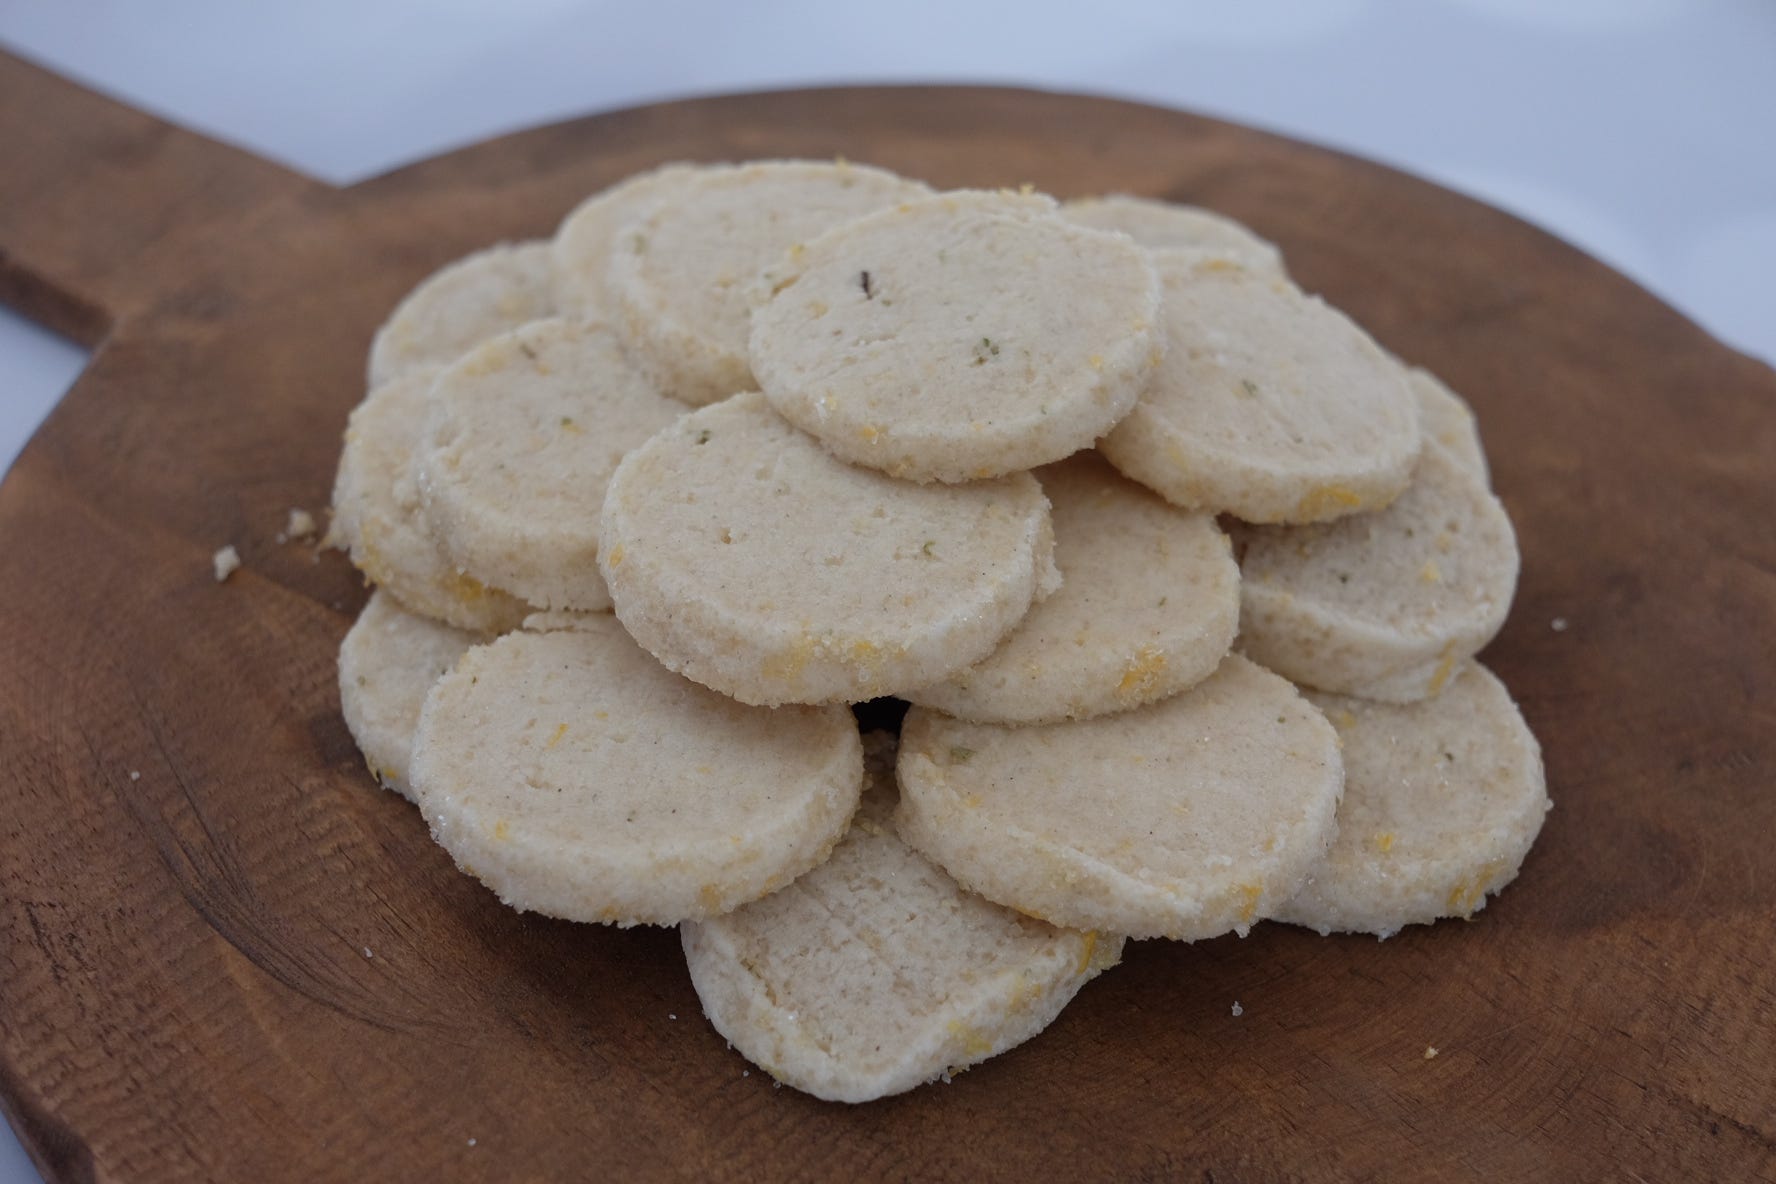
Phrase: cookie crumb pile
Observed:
(1181, 574)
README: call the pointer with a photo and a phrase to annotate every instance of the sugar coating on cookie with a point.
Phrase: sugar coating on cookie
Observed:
(1269, 404)
(379, 521)
(742, 555)
(580, 253)
(524, 433)
(1186, 818)
(685, 277)
(1442, 800)
(465, 303)
(1447, 419)
(574, 776)
(388, 661)
(875, 972)
(1382, 605)
(963, 336)
(1164, 224)
(1148, 606)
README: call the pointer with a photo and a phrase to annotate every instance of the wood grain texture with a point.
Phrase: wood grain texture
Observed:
(89, 185)
(185, 991)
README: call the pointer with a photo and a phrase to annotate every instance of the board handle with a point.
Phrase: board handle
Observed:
(88, 184)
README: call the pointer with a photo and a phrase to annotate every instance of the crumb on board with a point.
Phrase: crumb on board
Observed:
(135, 774)
(224, 562)
(301, 525)
(367, 952)
(1558, 624)
(471, 1141)
(1430, 1052)
(1237, 1009)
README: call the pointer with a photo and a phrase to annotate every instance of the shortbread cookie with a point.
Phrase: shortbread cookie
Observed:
(1383, 605)
(525, 431)
(388, 661)
(875, 973)
(1447, 419)
(465, 303)
(580, 255)
(1442, 800)
(1162, 224)
(1148, 607)
(575, 777)
(378, 520)
(684, 278)
(963, 336)
(1185, 818)
(742, 555)
(1269, 405)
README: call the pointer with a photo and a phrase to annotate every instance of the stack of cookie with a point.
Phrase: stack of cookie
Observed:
(820, 435)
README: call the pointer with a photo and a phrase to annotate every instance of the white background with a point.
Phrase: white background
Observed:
(1642, 130)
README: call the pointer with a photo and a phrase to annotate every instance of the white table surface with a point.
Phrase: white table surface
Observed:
(1642, 130)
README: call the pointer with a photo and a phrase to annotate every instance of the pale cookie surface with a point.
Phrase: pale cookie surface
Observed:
(575, 777)
(465, 303)
(1269, 405)
(1148, 606)
(1164, 224)
(963, 336)
(1442, 800)
(685, 277)
(1382, 605)
(742, 555)
(1448, 420)
(1185, 818)
(525, 431)
(875, 972)
(388, 661)
(378, 519)
(580, 254)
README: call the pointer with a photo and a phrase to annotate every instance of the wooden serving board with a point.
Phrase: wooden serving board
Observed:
(251, 964)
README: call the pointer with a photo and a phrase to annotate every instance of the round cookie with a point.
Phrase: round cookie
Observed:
(1382, 605)
(1164, 224)
(684, 277)
(962, 336)
(575, 777)
(378, 520)
(1447, 419)
(525, 431)
(468, 301)
(876, 973)
(1442, 800)
(742, 555)
(1185, 818)
(1269, 404)
(1148, 607)
(388, 661)
(580, 254)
